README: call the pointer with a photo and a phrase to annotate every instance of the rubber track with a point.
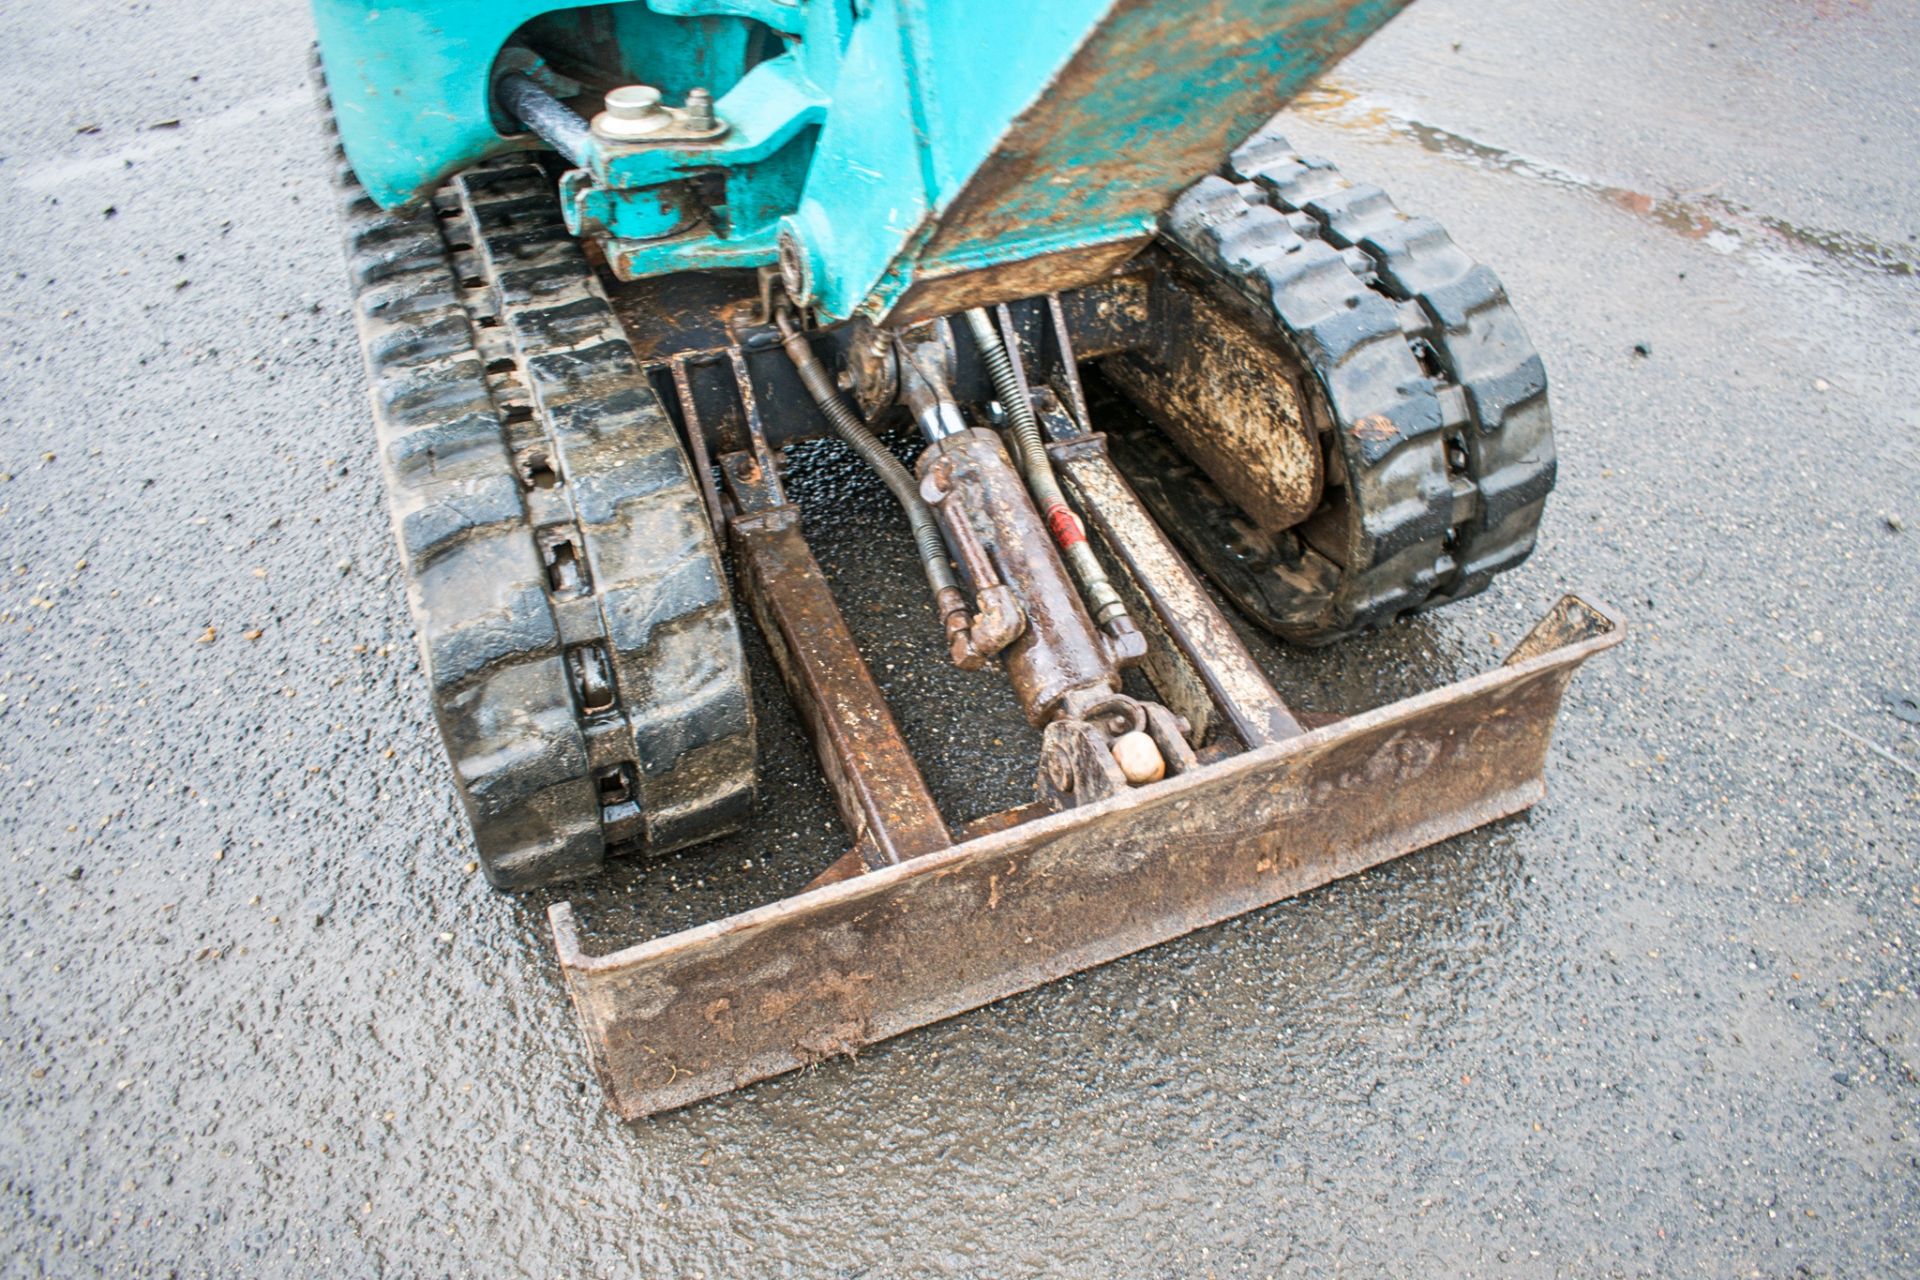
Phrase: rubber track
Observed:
(574, 620)
(1436, 399)
(1462, 320)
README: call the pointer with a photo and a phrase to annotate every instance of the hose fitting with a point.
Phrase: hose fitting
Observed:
(1031, 451)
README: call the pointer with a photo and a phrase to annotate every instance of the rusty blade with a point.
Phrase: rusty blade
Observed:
(841, 966)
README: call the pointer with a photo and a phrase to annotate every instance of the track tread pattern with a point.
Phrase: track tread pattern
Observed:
(1385, 414)
(651, 557)
(1472, 333)
(1436, 400)
(576, 629)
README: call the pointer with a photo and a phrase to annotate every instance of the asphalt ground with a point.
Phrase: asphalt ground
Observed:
(258, 1017)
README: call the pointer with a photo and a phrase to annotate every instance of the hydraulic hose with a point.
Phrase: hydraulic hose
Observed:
(1031, 449)
(847, 424)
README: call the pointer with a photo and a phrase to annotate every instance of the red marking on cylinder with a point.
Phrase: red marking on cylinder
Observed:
(1064, 525)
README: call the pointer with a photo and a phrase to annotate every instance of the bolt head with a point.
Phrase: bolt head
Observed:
(633, 102)
(793, 268)
(633, 113)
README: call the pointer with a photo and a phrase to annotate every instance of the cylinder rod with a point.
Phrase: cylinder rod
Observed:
(556, 124)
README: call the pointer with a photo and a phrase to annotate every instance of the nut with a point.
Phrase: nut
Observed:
(1059, 771)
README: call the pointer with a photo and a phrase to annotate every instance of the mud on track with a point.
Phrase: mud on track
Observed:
(259, 1018)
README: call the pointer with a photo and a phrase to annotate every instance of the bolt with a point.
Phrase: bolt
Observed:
(699, 109)
(793, 268)
(634, 102)
(1059, 771)
(633, 111)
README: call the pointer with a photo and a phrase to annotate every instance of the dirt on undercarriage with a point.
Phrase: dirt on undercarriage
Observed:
(263, 1018)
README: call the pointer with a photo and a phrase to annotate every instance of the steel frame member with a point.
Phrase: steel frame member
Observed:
(919, 922)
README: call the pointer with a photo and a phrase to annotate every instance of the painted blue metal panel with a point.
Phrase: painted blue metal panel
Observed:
(913, 148)
(410, 85)
(976, 66)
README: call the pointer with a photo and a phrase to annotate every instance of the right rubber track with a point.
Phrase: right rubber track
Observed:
(1433, 401)
(1456, 313)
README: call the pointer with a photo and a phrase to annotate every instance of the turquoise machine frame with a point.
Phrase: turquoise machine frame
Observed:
(910, 157)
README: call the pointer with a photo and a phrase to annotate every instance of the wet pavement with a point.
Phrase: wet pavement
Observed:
(260, 1017)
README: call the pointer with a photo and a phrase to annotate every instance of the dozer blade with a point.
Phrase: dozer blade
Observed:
(852, 962)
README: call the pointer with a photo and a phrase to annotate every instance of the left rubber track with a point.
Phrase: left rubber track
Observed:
(574, 619)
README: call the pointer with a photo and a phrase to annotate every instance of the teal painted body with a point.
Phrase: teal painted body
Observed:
(919, 155)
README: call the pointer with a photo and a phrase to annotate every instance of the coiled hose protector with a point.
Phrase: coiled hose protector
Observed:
(1028, 443)
(1026, 428)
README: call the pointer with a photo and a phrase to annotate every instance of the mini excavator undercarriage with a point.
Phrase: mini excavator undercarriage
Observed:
(611, 259)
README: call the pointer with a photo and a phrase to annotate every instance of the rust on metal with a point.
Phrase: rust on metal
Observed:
(750, 408)
(696, 437)
(882, 797)
(843, 965)
(1109, 745)
(983, 504)
(1106, 318)
(1195, 626)
(1233, 403)
(845, 867)
(1056, 167)
(875, 782)
(935, 294)
(685, 313)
